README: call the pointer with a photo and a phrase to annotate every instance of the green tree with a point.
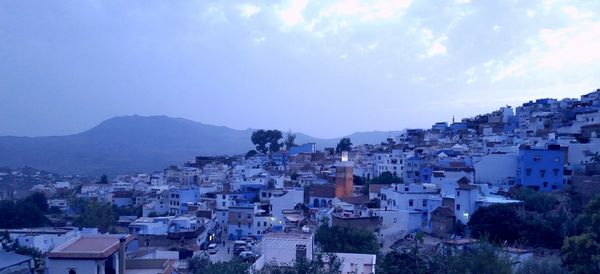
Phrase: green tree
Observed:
(251, 153)
(536, 201)
(267, 140)
(95, 214)
(203, 265)
(540, 266)
(24, 212)
(344, 145)
(346, 240)
(103, 179)
(39, 200)
(581, 254)
(320, 264)
(290, 139)
(498, 222)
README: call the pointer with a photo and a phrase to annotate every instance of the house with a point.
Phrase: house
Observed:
(321, 195)
(355, 263)
(284, 248)
(43, 239)
(541, 168)
(102, 254)
(12, 263)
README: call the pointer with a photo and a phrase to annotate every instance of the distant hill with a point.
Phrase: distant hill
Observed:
(139, 144)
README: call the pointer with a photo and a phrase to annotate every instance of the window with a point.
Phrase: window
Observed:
(239, 224)
(554, 187)
(457, 206)
(555, 171)
(406, 189)
(410, 202)
(239, 215)
(424, 203)
(249, 216)
(458, 193)
(265, 223)
(257, 223)
(72, 271)
(537, 158)
(542, 173)
(545, 184)
(528, 171)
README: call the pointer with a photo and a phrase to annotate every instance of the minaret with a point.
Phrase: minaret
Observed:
(344, 180)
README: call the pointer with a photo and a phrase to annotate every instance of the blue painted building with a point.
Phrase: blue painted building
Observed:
(305, 148)
(279, 157)
(541, 168)
(179, 197)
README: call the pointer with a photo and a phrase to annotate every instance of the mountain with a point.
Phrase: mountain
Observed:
(139, 144)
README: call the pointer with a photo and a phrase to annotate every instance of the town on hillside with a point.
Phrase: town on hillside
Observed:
(511, 191)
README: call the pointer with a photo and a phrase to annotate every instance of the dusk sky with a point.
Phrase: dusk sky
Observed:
(325, 68)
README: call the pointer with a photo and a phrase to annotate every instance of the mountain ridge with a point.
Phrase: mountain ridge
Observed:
(136, 143)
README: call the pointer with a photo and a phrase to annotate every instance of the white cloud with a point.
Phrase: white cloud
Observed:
(248, 10)
(294, 13)
(433, 45)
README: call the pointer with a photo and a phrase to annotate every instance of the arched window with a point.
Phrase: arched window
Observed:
(316, 203)
(72, 271)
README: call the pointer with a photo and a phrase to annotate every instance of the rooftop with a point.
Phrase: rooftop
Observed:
(89, 247)
(8, 259)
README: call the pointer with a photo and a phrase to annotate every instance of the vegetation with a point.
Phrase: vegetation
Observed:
(320, 264)
(498, 222)
(203, 265)
(346, 240)
(95, 214)
(344, 145)
(27, 212)
(581, 252)
(536, 201)
(251, 153)
(541, 226)
(482, 258)
(385, 178)
(103, 179)
(267, 140)
(290, 139)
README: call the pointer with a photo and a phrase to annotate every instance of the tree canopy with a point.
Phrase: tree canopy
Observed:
(290, 139)
(26, 212)
(267, 140)
(344, 145)
(95, 214)
(346, 240)
(498, 222)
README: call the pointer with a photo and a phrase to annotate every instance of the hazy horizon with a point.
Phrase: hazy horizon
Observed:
(326, 69)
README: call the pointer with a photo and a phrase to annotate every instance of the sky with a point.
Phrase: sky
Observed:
(325, 68)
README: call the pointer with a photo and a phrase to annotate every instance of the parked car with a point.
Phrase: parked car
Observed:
(249, 256)
(213, 248)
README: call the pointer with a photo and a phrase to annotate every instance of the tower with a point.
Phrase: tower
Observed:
(344, 182)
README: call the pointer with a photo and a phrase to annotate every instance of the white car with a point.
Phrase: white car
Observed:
(213, 248)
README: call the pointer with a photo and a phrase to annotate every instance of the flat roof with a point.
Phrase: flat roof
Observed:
(285, 240)
(9, 259)
(89, 247)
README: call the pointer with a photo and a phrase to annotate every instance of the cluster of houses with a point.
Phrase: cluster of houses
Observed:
(438, 178)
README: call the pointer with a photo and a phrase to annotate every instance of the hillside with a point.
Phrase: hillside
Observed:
(138, 143)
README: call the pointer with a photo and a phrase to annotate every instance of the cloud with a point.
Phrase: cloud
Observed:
(248, 10)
